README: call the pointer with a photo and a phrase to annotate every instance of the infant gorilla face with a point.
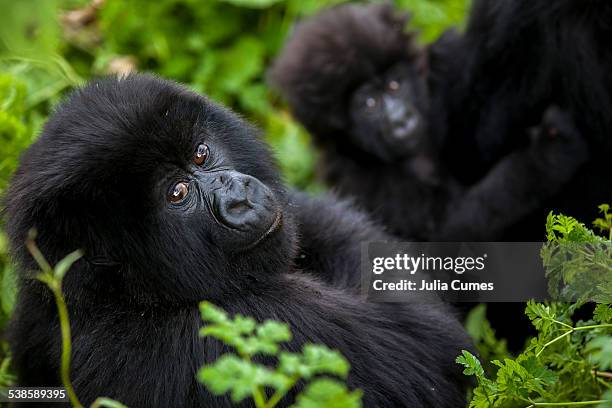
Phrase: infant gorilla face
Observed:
(240, 210)
(388, 113)
(206, 177)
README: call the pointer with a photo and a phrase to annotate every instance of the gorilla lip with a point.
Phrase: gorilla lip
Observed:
(278, 220)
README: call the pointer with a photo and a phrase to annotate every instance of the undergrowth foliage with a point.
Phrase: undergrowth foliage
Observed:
(578, 262)
(241, 376)
(569, 362)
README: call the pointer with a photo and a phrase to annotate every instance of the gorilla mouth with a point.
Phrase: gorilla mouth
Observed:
(406, 129)
(274, 226)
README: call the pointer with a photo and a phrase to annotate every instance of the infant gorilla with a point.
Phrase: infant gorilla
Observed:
(360, 84)
(174, 200)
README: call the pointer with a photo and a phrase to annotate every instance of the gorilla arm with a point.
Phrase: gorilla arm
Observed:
(519, 183)
(332, 234)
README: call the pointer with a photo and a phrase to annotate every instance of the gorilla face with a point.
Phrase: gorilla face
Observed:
(388, 113)
(239, 209)
(176, 192)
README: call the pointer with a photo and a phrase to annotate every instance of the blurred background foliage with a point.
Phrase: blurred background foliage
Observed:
(219, 47)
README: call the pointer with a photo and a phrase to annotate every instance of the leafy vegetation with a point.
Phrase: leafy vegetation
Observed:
(578, 262)
(241, 376)
(569, 362)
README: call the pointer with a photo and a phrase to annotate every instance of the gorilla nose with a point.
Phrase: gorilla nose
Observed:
(395, 109)
(236, 202)
(243, 202)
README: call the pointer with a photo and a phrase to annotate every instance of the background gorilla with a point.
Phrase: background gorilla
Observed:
(174, 200)
(360, 85)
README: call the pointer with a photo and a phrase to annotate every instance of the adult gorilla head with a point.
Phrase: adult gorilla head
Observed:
(145, 185)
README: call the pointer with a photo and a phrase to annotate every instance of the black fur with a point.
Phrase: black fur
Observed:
(97, 179)
(516, 58)
(348, 50)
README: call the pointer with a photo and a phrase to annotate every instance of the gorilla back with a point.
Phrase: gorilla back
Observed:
(175, 200)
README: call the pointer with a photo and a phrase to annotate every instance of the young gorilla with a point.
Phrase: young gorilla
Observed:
(175, 200)
(472, 96)
(358, 82)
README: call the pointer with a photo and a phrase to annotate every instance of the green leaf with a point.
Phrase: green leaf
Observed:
(240, 64)
(541, 315)
(607, 397)
(600, 352)
(107, 403)
(603, 313)
(314, 360)
(64, 265)
(230, 374)
(274, 332)
(483, 335)
(321, 360)
(326, 393)
(8, 290)
(211, 313)
(471, 363)
(538, 372)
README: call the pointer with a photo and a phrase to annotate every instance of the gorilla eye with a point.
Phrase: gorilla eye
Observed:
(370, 102)
(394, 85)
(201, 154)
(179, 193)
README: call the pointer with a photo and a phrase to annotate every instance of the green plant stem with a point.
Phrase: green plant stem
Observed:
(278, 395)
(567, 333)
(564, 404)
(258, 398)
(259, 395)
(55, 284)
(606, 384)
(106, 403)
(570, 331)
(66, 345)
(563, 324)
(603, 374)
(594, 326)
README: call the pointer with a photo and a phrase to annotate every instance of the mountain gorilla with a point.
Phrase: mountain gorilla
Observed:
(174, 200)
(360, 84)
